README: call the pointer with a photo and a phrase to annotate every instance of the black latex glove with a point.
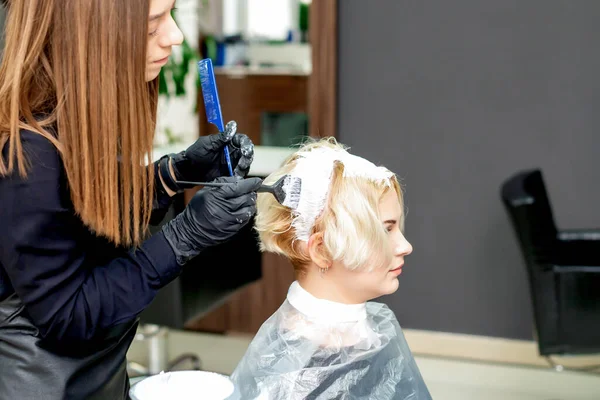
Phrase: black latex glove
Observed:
(213, 216)
(205, 160)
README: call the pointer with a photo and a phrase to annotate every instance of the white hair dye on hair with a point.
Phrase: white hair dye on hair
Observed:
(315, 167)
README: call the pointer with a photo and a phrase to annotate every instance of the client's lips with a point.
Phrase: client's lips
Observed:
(397, 270)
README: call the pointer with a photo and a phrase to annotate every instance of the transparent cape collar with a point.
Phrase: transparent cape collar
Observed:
(324, 310)
(292, 357)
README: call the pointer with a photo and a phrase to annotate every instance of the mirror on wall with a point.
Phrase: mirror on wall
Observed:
(262, 57)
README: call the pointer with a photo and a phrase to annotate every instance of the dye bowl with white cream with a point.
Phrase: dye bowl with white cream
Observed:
(183, 385)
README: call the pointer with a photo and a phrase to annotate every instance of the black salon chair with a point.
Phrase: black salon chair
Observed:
(205, 283)
(563, 269)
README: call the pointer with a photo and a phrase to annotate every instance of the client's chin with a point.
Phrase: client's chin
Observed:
(390, 286)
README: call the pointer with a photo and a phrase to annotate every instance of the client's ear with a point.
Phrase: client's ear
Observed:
(317, 252)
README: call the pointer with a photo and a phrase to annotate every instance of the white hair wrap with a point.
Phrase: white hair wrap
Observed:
(315, 167)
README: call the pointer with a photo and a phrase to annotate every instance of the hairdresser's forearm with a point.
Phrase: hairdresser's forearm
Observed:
(162, 181)
(163, 196)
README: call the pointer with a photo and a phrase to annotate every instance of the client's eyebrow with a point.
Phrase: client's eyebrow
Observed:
(390, 221)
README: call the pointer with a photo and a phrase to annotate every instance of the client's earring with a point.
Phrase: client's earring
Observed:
(323, 270)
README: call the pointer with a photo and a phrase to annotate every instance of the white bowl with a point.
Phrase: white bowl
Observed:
(183, 385)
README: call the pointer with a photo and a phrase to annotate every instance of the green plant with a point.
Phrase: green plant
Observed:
(175, 72)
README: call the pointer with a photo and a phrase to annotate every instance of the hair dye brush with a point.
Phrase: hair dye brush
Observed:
(286, 190)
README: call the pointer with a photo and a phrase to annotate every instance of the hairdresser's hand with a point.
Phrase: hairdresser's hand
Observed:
(213, 216)
(205, 160)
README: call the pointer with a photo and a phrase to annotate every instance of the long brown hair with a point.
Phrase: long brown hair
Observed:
(77, 67)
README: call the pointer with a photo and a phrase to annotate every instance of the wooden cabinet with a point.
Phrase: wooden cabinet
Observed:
(246, 310)
(245, 96)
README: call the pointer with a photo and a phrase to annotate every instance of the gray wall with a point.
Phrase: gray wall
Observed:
(455, 96)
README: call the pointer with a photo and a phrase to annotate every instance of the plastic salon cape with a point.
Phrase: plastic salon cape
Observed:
(317, 349)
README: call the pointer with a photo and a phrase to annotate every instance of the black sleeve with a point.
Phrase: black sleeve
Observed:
(68, 294)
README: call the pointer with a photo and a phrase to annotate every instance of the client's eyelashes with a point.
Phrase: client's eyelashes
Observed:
(390, 224)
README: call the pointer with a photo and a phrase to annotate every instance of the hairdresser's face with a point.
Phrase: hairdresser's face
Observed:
(163, 34)
(366, 285)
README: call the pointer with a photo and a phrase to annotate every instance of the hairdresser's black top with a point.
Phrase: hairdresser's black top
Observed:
(77, 289)
(73, 283)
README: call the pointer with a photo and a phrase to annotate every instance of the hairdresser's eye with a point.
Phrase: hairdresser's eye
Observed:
(153, 33)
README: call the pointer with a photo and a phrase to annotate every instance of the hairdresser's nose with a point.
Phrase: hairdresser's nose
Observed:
(402, 246)
(173, 35)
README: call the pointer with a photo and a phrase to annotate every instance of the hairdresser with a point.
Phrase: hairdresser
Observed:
(78, 90)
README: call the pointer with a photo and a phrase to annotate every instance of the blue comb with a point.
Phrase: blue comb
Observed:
(211, 100)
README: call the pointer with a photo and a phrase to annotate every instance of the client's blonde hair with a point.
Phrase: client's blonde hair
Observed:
(352, 230)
